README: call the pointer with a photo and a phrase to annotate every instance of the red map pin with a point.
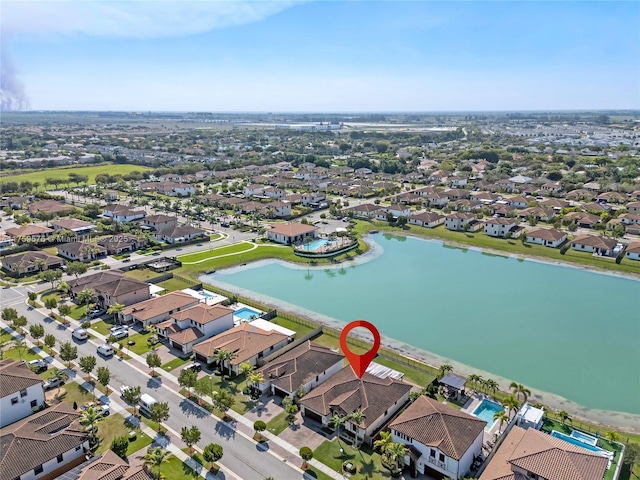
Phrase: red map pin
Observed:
(359, 363)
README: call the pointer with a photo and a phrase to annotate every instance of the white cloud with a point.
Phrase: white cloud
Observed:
(132, 19)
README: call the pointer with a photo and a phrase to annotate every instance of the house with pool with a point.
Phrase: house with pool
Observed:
(532, 454)
(292, 233)
(440, 440)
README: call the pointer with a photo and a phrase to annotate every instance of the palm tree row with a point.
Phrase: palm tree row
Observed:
(337, 421)
(393, 453)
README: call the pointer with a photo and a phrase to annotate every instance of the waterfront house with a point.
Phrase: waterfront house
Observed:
(501, 227)
(195, 324)
(157, 309)
(303, 367)
(427, 219)
(21, 391)
(44, 445)
(366, 210)
(111, 287)
(583, 219)
(377, 398)
(531, 454)
(292, 233)
(248, 342)
(462, 222)
(549, 237)
(31, 262)
(633, 251)
(440, 440)
(602, 246)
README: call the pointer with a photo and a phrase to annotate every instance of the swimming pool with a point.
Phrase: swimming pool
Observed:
(486, 410)
(246, 313)
(316, 244)
(578, 443)
(584, 438)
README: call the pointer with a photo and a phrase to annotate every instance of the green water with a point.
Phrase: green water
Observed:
(555, 329)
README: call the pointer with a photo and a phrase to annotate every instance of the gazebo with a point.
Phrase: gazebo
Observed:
(453, 384)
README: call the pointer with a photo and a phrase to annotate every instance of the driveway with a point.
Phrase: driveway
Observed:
(269, 407)
(305, 432)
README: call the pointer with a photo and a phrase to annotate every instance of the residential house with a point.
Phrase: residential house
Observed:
(456, 181)
(49, 206)
(29, 233)
(531, 454)
(457, 194)
(633, 207)
(43, 445)
(122, 213)
(160, 221)
(595, 208)
(549, 237)
(303, 367)
(5, 241)
(518, 179)
(611, 197)
(79, 227)
(248, 342)
(157, 309)
(31, 262)
(253, 190)
(595, 244)
(110, 466)
(633, 251)
(518, 201)
(81, 251)
(111, 287)
(554, 203)
(440, 440)
(15, 203)
(21, 391)
(462, 222)
(192, 325)
(292, 233)
(313, 199)
(122, 243)
(366, 210)
(378, 399)
(501, 227)
(110, 196)
(484, 197)
(583, 219)
(273, 192)
(436, 199)
(397, 210)
(277, 209)
(580, 194)
(506, 184)
(179, 234)
(174, 189)
(551, 187)
(629, 218)
(427, 219)
(539, 213)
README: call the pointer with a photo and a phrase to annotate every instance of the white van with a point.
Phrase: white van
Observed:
(145, 403)
(80, 334)
(105, 349)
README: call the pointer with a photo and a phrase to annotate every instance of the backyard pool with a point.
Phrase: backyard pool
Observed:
(486, 410)
(246, 313)
(574, 441)
(316, 244)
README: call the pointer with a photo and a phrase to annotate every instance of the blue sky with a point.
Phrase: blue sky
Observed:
(323, 56)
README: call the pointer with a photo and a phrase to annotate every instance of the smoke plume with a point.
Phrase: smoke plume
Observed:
(12, 94)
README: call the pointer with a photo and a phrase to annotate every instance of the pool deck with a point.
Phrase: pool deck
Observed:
(471, 405)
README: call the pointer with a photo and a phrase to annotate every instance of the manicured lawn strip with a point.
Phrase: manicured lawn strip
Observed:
(368, 463)
(142, 274)
(513, 246)
(114, 426)
(103, 326)
(141, 347)
(26, 354)
(73, 392)
(278, 424)
(224, 250)
(174, 284)
(301, 330)
(174, 468)
(174, 364)
(63, 173)
(78, 311)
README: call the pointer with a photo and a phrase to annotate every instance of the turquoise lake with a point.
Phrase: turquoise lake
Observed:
(567, 331)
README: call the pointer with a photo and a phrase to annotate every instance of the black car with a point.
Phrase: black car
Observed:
(38, 366)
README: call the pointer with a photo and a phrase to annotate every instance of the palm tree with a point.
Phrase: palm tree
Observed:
(474, 380)
(115, 310)
(336, 422)
(444, 369)
(154, 457)
(85, 296)
(246, 369)
(512, 404)
(563, 416)
(89, 418)
(396, 453)
(502, 416)
(256, 378)
(223, 356)
(61, 376)
(357, 417)
(491, 386)
(383, 443)
(20, 345)
(519, 389)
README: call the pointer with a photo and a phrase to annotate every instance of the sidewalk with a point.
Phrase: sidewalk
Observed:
(279, 448)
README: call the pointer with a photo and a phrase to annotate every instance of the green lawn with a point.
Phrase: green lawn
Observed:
(63, 173)
(174, 284)
(140, 347)
(301, 330)
(75, 393)
(368, 463)
(114, 426)
(235, 385)
(174, 468)
(142, 274)
(513, 246)
(176, 363)
(278, 424)
(214, 252)
(25, 354)
(103, 326)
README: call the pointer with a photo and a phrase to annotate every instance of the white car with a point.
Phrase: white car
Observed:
(105, 349)
(120, 334)
(123, 389)
(117, 328)
(80, 334)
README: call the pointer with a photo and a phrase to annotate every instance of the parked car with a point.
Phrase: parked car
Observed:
(80, 334)
(105, 349)
(38, 366)
(97, 313)
(117, 328)
(53, 382)
(194, 367)
(120, 334)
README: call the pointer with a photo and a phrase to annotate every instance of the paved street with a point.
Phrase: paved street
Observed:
(242, 456)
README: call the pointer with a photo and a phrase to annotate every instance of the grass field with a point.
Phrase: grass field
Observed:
(40, 176)
(112, 427)
(367, 462)
(514, 246)
(215, 252)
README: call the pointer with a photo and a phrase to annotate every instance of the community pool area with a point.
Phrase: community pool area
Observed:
(246, 313)
(575, 441)
(486, 410)
(316, 244)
